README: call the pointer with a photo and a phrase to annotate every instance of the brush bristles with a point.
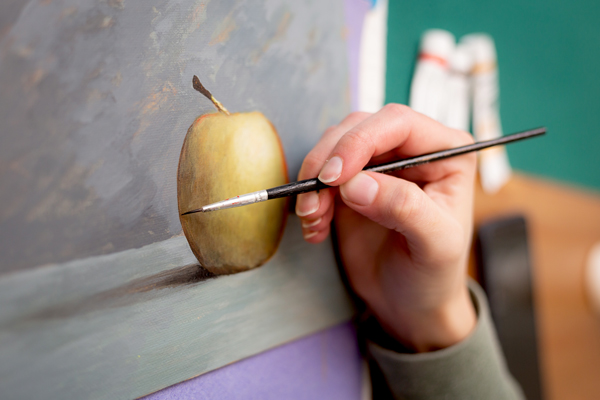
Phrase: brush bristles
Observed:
(198, 210)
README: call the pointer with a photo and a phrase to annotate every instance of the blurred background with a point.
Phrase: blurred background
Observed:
(548, 61)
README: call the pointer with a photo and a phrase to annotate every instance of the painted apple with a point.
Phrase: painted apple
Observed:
(225, 155)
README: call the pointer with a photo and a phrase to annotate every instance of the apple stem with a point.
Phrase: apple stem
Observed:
(198, 86)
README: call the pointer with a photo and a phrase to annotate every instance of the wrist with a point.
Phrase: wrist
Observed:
(424, 330)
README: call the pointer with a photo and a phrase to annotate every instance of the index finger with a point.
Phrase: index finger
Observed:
(395, 126)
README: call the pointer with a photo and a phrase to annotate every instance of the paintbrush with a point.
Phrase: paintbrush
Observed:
(309, 185)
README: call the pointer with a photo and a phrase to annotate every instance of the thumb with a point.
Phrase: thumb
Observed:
(404, 207)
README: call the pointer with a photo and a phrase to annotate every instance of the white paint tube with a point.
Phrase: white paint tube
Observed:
(458, 110)
(428, 94)
(371, 68)
(494, 167)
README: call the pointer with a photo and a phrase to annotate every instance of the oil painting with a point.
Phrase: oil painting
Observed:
(101, 293)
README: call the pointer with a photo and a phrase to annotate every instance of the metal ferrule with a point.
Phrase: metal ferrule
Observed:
(238, 201)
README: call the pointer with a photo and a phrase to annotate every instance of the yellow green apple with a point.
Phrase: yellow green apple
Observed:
(227, 154)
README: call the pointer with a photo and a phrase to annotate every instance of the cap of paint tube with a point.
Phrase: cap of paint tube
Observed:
(461, 60)
(481, 47)
(438, 43)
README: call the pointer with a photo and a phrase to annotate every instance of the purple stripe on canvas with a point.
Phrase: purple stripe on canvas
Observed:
(326, 365)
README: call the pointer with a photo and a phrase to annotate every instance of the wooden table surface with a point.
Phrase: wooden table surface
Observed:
(563, 225)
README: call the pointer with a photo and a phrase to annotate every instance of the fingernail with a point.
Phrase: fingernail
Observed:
(310, 234)
(331, 170)
(360, 190)
(307, 204)
(311, 223)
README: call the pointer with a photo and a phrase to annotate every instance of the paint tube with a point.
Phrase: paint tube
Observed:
(494, 167)
(458, 89)
(428, 94)
(371, 69)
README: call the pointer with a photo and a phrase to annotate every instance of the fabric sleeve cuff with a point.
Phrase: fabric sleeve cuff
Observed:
(471, 369)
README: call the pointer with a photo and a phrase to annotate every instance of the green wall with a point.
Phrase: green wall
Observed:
(549, 60)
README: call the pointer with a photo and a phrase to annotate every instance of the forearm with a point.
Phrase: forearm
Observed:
(429, 329)
(474, 368)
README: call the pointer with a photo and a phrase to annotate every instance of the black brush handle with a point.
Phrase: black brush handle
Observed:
(310, 185)
(294, 188)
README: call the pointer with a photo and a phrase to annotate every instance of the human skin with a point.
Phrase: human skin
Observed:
(404, 238)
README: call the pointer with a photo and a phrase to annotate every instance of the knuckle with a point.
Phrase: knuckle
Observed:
(360, 138)
(464, 138)
(398, 110)
(329, 131)
(461, 138)
(311, 166)
(407, 204)
(356, 116)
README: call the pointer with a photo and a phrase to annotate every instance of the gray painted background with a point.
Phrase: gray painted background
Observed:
(106, 328)
(96, 99)
(100, 295)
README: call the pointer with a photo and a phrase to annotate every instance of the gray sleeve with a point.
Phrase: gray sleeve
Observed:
(472, 369)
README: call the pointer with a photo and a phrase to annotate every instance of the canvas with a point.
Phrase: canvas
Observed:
(100, 294)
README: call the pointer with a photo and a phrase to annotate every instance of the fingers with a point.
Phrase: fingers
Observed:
(316, 230)
(394, 132)
(318, 206)
(394, 127)
(315, 210)
(429, 229)
(314, 160)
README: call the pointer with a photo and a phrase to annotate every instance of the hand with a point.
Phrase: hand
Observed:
(403, 239)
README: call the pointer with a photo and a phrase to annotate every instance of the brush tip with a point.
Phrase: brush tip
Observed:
(193, 211)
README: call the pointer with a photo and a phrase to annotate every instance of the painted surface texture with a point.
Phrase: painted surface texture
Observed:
(102, 328)
(100, 295)
(97, 99)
